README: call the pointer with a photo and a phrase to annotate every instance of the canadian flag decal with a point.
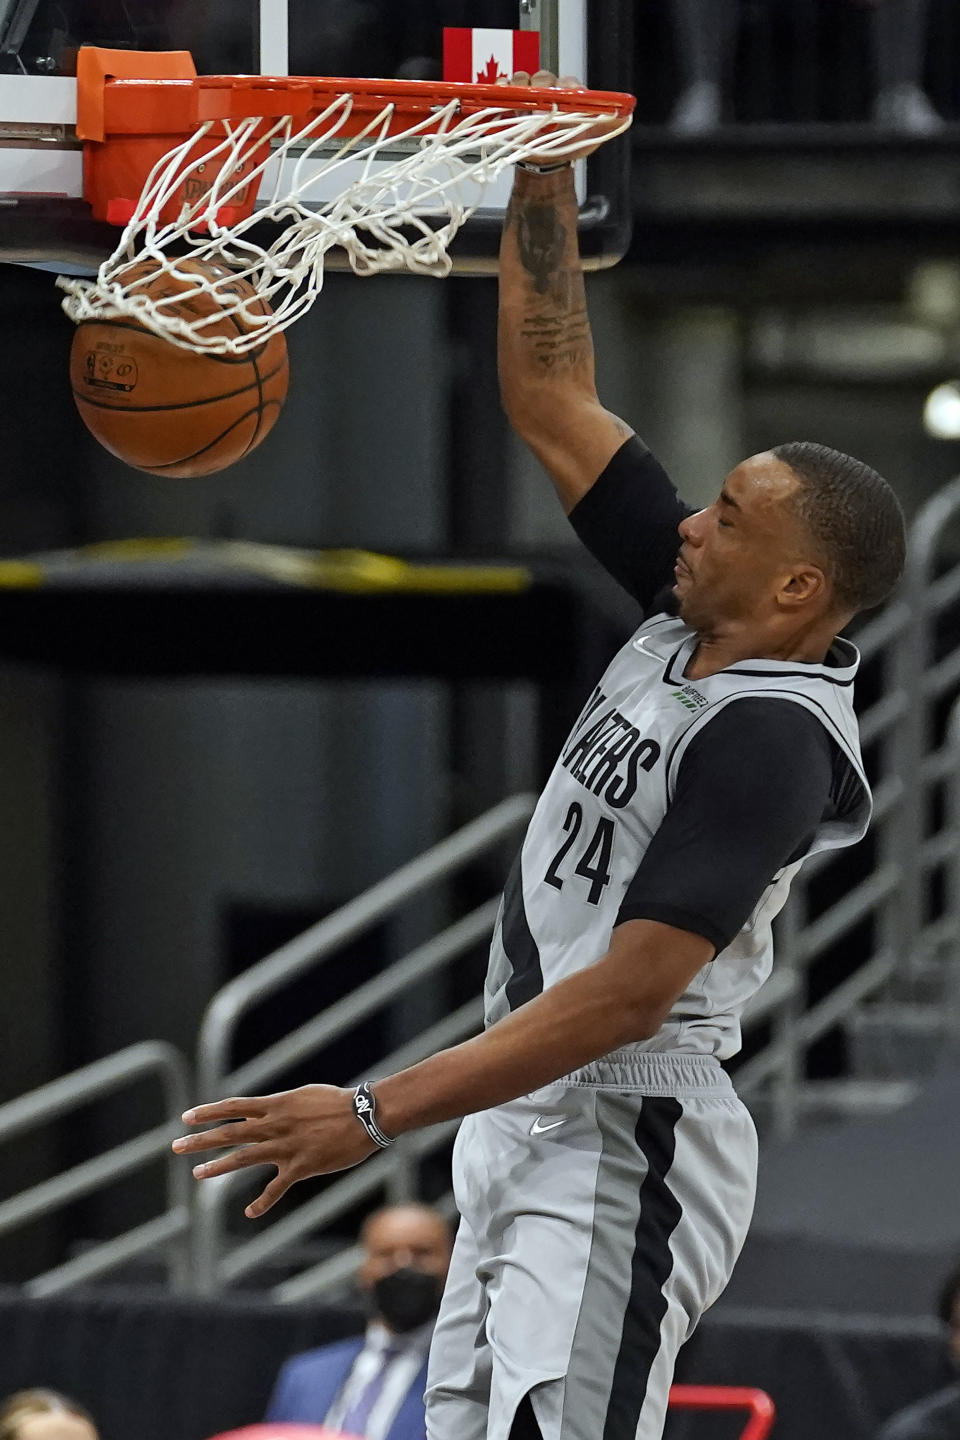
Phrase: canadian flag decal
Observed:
(485, 56)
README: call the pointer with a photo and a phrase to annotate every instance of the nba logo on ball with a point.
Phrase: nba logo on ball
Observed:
(169, 410)
(482, 56)
(106, 367)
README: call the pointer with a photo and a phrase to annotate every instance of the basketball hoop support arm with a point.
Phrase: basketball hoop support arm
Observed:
(536, 16)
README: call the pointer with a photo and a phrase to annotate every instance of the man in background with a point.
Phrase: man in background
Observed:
(938, 1416)
(372, 1386)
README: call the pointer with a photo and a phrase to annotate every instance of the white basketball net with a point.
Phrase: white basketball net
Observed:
(398, 215)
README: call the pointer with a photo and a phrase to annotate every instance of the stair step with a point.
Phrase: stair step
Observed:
(900, 1017)
(896, 1038)
(855, 1098)
(924, 980)
(149, 1271)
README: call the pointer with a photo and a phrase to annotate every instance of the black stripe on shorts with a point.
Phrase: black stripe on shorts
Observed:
(650, 1268)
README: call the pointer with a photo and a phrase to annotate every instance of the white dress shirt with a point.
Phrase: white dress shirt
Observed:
(403, 1370)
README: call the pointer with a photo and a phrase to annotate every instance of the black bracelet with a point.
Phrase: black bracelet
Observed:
(543, 169)
(365, 1109)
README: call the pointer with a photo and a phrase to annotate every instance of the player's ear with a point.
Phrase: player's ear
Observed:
(805, 585)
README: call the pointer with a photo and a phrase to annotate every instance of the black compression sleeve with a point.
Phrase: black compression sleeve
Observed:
(751, 790)
(628, 520)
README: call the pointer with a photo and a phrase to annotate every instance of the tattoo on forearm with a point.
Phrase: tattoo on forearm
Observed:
(559, 339)
(556, 329)
(541, 240)
(566, 289)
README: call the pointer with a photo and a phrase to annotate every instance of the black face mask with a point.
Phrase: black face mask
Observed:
(407, 1298)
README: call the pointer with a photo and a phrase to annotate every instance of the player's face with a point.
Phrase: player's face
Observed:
(738, 554)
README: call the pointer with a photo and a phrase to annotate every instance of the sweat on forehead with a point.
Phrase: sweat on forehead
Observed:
(762, 476)
(765, 491)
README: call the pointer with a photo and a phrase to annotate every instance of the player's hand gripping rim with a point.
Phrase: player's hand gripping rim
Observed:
(592, 139)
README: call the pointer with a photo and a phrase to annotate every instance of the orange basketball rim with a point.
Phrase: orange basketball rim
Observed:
(196, 164)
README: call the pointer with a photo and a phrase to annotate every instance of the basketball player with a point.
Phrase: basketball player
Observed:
(605, 1171)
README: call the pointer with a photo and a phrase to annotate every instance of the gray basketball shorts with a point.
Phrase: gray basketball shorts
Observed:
(599, 1219)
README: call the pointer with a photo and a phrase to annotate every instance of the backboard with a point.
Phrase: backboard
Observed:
(43, 216)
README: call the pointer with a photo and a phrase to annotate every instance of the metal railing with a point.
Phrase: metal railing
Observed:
(923, 761)
(950, 1002)
(911, 843)
(802, 939)
(168, 1233)
(216, 1261)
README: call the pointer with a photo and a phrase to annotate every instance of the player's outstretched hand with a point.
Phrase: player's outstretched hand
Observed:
(304, 1132)
(593, 139)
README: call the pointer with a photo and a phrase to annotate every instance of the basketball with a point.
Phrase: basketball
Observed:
(171, 411)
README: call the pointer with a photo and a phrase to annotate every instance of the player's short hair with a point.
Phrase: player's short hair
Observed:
(853, 516)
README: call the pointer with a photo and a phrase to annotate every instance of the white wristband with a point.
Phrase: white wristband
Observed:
(365, 1109)
(543, 169)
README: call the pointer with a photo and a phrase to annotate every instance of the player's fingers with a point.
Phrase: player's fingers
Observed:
(268, 1197)
(237, 1108)
(519, 77)
(235, 1133)
(543, 78)
(571, 82)
(240, 1159)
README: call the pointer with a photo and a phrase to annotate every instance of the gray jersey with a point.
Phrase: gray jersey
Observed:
(605, 800)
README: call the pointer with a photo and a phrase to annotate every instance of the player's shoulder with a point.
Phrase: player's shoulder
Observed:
(811, 697)
(761, 735)
(762, 715)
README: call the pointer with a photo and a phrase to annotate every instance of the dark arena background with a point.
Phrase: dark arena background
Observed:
(269, 738)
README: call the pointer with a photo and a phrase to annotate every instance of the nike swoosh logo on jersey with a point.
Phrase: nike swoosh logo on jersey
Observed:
(638, 644)
(538, 1127)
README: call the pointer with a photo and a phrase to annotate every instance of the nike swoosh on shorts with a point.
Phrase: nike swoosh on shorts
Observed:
(538, 1127)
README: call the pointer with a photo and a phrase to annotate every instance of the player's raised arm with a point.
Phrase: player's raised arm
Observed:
(545, 345)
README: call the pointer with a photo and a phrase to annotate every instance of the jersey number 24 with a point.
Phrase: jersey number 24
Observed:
(594, 863)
